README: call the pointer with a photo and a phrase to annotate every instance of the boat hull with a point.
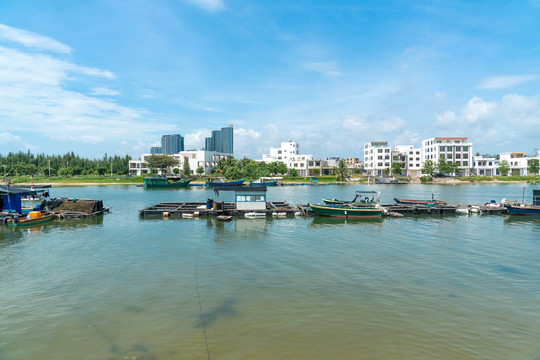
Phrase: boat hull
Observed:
(225, 183)
(429, 203)
(164, 183)
(530, 210)
(35, 221)
(347, 212)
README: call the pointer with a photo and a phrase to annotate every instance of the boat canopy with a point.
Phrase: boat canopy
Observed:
(16, 190)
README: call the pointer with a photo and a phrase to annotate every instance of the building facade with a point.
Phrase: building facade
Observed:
(221, 140)
(485, 166)
(518, 162)
(172, 144)
(377, 158)
(450, 149)
(288, 154)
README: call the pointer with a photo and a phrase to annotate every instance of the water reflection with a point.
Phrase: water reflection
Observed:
(321, 221)
(523, 221)
(239, 228)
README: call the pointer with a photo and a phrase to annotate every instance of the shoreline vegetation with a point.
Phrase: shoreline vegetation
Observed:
(323, 180)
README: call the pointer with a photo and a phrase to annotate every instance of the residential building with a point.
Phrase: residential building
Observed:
(411, 159)
(517, 161)
(196, 158)
(354, 163)
(485, 166)
(221, 140)
(451, 149)
(172, 144)
(377, 158)
(288, 153)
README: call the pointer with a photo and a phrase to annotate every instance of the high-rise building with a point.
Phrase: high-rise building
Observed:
(172, 144)
(155, 150)
(221, 141)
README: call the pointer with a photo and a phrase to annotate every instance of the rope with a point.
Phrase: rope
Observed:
(199, 300)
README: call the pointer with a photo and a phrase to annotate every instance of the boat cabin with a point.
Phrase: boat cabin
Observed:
(10, 198)
(246, 197)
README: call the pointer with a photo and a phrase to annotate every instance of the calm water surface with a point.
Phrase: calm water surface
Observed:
(118, 287)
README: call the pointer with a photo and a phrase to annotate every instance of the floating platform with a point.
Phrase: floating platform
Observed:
(199, 209)
(443, 209)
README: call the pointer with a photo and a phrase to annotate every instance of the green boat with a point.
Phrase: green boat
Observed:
(362, 197)
(38, 219)
(348, 210)
(165, 181)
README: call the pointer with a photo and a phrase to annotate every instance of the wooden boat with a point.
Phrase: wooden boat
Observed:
(515, 208)
(362, 197)
(428, 203)
(33, 218)
(165, 182)
(523, 209)
(348, 211)
(224, 183)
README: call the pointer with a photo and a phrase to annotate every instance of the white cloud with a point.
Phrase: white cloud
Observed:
(478, 109)
(449, 117)
(32, 40)
(208, 5)
(34, 95)
(504, 82)
(103, 91)
(325, 68)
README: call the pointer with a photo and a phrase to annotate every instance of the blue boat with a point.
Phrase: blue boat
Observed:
(224, 183)
(515, 208)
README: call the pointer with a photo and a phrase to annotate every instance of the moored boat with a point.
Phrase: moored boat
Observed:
(168, 182)
(429, 203)
(33, 218)
(515, 208)
(224, 183)
(348, 210)
(362, 197)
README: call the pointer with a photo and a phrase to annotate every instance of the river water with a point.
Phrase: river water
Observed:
(419, 287)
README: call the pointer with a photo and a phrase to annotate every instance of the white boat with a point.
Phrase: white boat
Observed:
(254, 215)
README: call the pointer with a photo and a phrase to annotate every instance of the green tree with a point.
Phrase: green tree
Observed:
(176, 171)
(161, 162)
(341, 170)
(504, 168)
(102, 170)
(443, 167)
(396, 167)
(316, 171)
(453, 168)
(282, 168)
(200, 170)
(429, 167)
(293, 173)
(187, 169)
(533, 167)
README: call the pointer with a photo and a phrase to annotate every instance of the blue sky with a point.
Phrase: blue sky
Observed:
(111, 77)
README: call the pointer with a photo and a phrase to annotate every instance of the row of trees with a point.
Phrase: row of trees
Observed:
(14, 164)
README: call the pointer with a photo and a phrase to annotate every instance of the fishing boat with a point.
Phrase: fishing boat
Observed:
(33, 218)
(268, 181)
(224, 183)
(429, 203)
(348, 210)
(361, 197)
(165, 182)
(515, 208)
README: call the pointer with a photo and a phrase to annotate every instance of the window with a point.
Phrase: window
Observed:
(449, 156)
(465, 148)
(458, 156)
(458, 148)
(442, 156)
(387, 150)
(380, 157)
(441, 148)
(379, 151)
(465, 155)
(465, 163)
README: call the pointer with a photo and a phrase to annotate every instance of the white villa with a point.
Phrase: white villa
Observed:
(377, 157)
(288, 153)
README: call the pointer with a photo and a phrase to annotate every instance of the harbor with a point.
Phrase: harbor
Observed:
(114, 286)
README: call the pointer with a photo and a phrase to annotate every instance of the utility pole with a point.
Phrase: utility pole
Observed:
(49, 168)
(111, 166)
(5, 178)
